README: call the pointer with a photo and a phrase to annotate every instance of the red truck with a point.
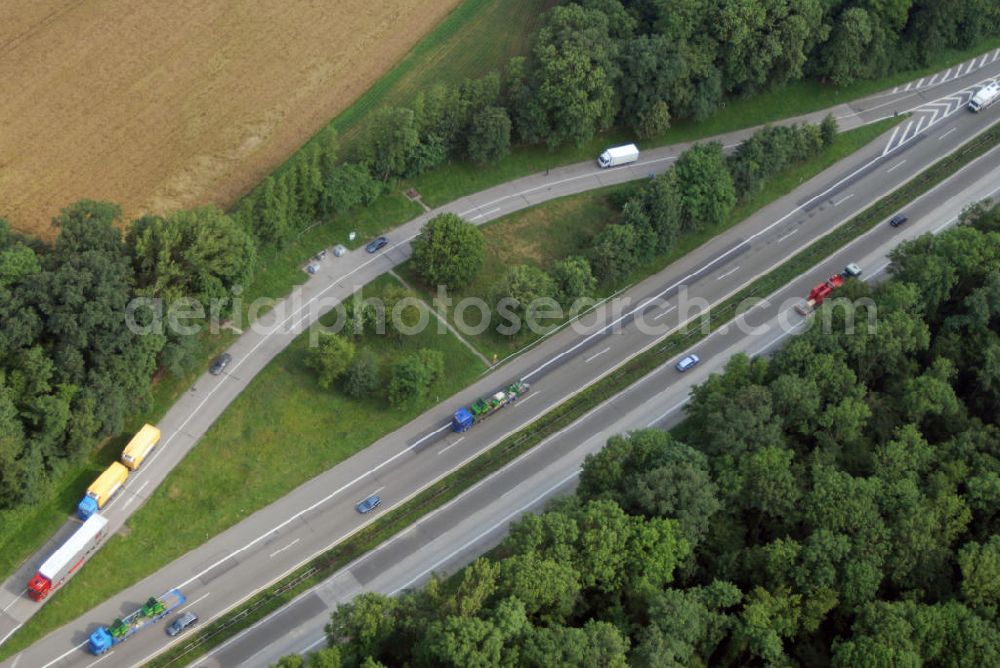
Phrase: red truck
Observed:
(824, 289)
(65, 561)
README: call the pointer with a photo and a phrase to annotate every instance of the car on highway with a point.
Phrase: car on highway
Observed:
(898, 220)
(687, 362)
(852, 270)
(220, 363)
(376, 244)
(368, 504)
(184, 621)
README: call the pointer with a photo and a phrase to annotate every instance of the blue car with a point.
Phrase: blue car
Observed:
(368, 504)
(688, 362)
(377, 244)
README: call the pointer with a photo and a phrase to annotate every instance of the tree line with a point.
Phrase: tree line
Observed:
(71, 368)
(837, 504)
(637, 64)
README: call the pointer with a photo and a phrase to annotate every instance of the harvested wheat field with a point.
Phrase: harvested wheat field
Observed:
(164, 104)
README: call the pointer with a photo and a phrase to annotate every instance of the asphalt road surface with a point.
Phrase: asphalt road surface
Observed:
(277, 538)
(476, 521)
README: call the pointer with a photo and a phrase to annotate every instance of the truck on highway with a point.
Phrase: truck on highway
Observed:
(618, 155)
(101, 490)
(123, 628)
(140, 446)
(985, 96)
(819, 293)
(467, 416)
(67, 560)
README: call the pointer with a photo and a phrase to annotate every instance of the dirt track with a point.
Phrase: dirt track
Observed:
(164, 104)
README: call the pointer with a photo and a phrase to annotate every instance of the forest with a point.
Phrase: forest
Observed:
(836, 504)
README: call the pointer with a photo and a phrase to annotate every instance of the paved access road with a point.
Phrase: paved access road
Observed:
(286, 533)
(454, 535)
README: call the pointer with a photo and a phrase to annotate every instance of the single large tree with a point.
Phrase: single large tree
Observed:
(449, 251)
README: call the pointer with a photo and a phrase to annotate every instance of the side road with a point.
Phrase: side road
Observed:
(206, 400)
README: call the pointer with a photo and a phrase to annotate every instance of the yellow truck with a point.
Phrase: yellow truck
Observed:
(101, 490)
(140, 446)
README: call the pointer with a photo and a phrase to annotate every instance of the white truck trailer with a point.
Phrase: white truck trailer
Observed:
(618, 155)
(70, 556)
(985, 96)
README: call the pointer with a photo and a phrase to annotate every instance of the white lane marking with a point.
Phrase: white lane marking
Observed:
(946, 74)
(596, 355)
(786, 235)
(843, 199)
(894, 90)
(681, 281)
(531, 396)
(426, 436)
(279, 551)
(450, 446)
(64, 655)
(896, 166)
(94, 663)
(728, 273)
(908, 86)
(878, 270)
(983, 61)
(195, 602)
(920, 124)
(906, 132)
(996, 54)
(15, 600)
(888, 146)
(946, 134)
(484, 533)
(933, 79)
(485, 213)
(309, 647)
(665, 312)
(136, 493)
(920, 83)
(4, 639)
(669, 411)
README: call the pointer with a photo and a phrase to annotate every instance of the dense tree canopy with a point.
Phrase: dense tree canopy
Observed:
(838, 504)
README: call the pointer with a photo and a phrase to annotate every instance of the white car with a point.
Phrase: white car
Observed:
(688, 362)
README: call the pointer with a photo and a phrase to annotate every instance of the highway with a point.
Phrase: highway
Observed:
(288, 532)
(471, 524)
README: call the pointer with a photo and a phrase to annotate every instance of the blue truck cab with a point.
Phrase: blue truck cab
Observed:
(86, 507)
(462, 420)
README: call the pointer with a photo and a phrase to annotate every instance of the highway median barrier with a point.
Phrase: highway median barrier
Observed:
(436, 495)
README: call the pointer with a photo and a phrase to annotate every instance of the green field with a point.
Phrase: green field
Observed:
(280, 432)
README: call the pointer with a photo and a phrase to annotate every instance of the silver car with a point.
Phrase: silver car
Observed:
(185, 620)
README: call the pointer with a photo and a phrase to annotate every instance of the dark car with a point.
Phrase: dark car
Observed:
(185, 620)
(688, 362)
(898, 220)
(220, 363)
(376, 244)
(368, 504)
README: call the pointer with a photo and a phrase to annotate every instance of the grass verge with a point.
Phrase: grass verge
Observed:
(549, 232)
(295, 430)
(559, 417)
